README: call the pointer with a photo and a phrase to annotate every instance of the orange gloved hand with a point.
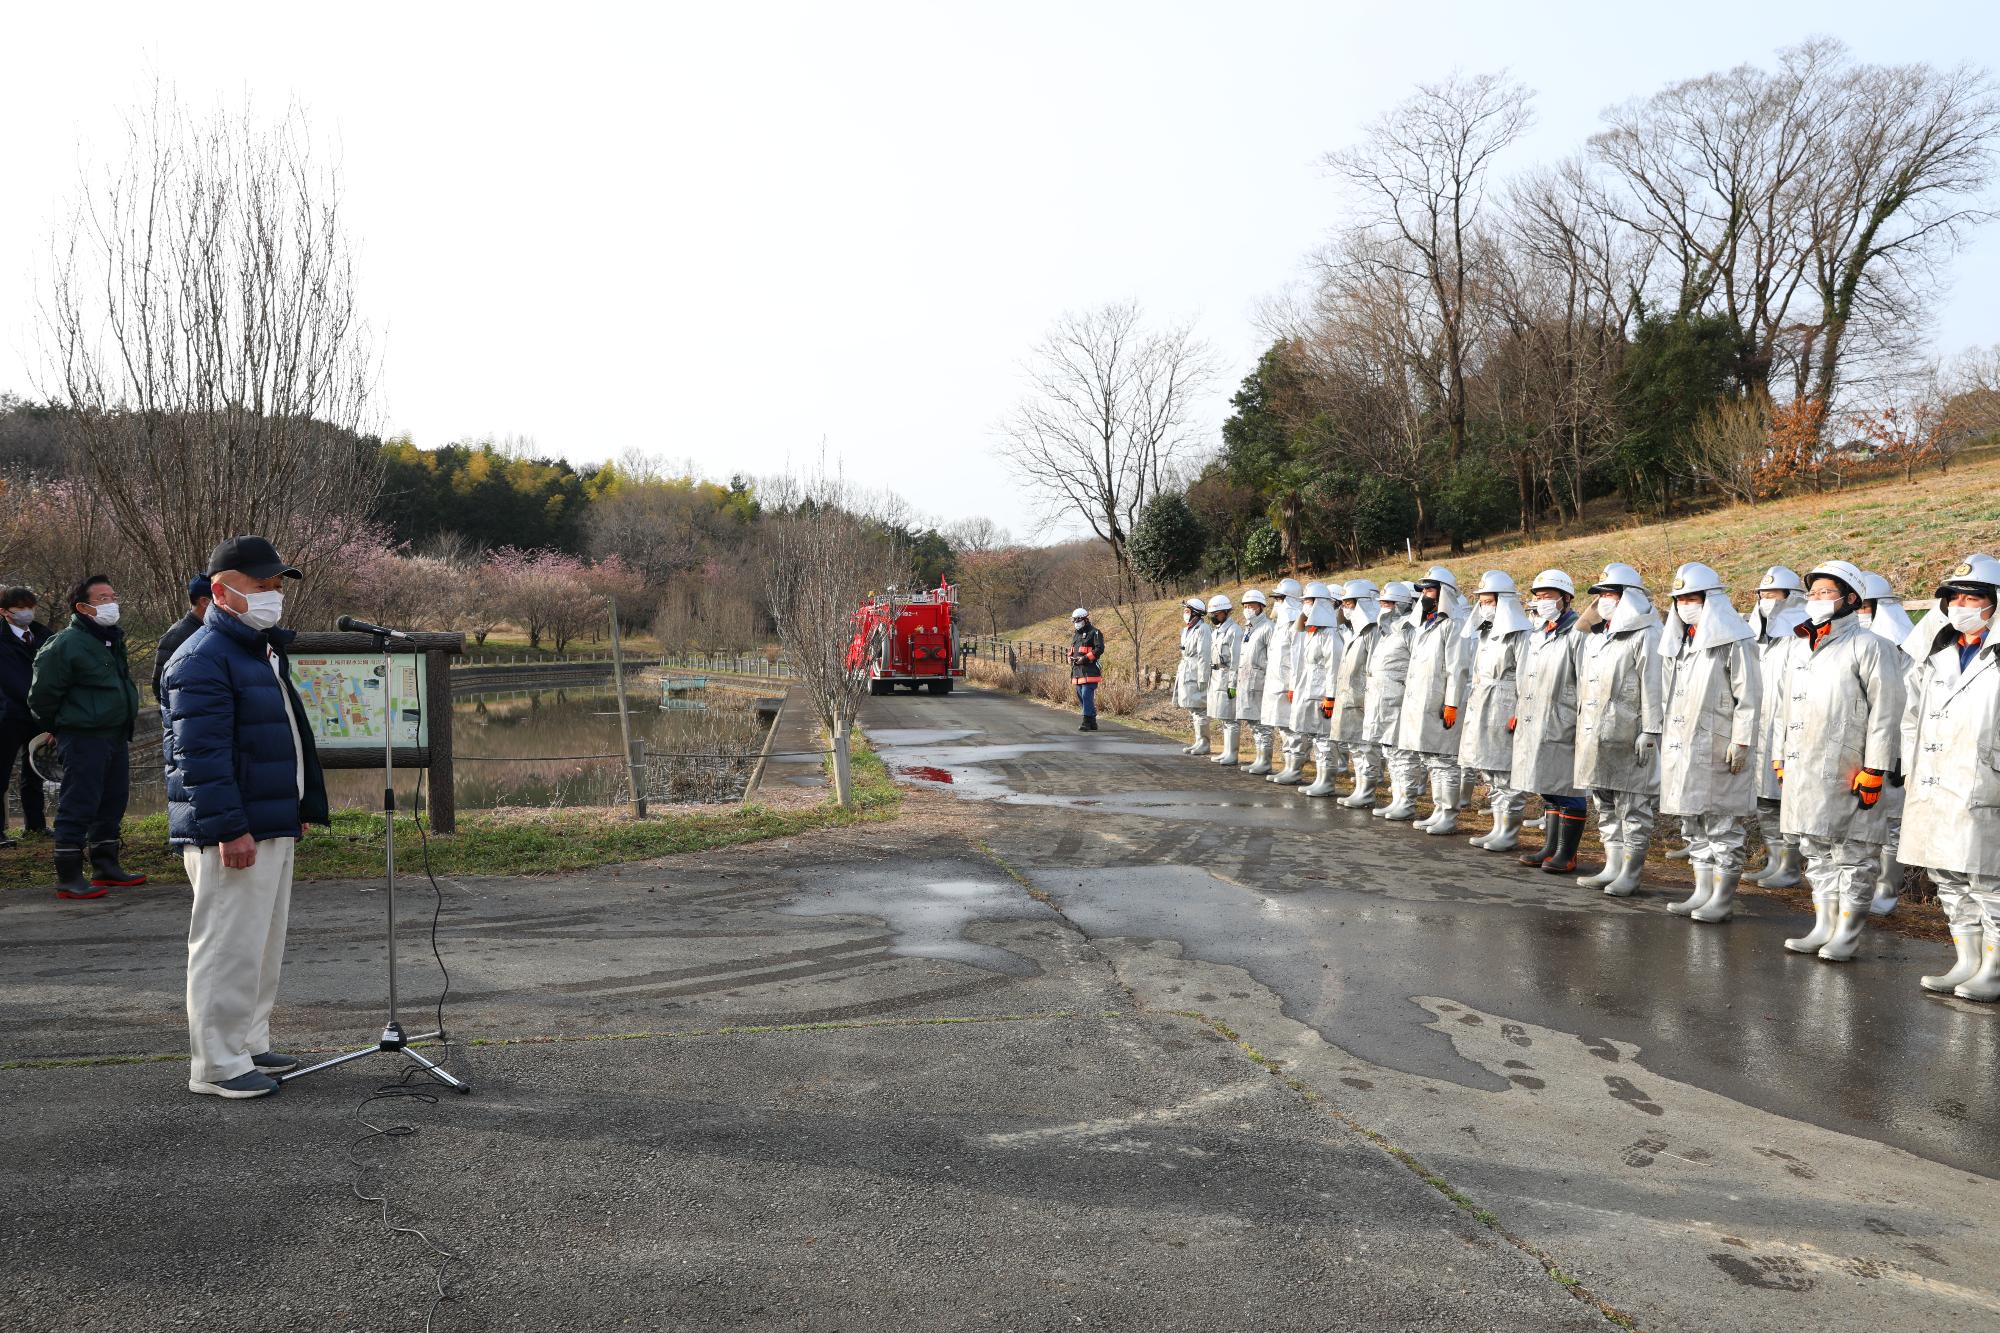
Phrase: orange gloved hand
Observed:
(1288, 696)
(1450, 716)
(1511, 721)
(1867, 788)
(1326, 708)
(1778, 767)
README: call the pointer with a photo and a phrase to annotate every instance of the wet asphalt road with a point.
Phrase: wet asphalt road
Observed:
(1789, 1140)
(1345, 918)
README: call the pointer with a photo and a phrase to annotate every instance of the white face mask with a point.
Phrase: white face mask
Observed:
(1867, 618)
(1968, 619)
(1548, 608)
(1821, 612)
(106, 614)
(1485, 614)
(1607, 607)
(263, 609)
(1688, 615)
(24, 616)
(1355, 620)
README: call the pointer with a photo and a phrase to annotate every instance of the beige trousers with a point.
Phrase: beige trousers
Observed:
(236, 944)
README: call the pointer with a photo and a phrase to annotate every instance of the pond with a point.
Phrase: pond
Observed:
(554, 747)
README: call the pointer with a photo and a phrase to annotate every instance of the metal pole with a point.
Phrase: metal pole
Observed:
(625, 718)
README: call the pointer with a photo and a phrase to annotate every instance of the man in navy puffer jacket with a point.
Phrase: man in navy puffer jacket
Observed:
(243, 779)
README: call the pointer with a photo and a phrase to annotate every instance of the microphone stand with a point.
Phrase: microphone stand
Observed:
(393, 1040)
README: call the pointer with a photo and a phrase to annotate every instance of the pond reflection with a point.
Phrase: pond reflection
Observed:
(553, 747)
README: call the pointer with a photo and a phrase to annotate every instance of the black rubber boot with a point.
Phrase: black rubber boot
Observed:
(70, 882)
(106, 873)
(1561, 860)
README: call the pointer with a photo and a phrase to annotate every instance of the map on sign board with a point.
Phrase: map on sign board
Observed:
(349, 704)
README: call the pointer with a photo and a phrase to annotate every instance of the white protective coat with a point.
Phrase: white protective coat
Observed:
(1951, 754)
(1319, 668)
(1225, 653)
(1256, 662)
(1842, 712)
(1714, 695)
(1544, 753)
(1773, 638)
(1619, 698)
(1350, 713)
(1388, 674)
(1278, 664)
(1440, 670)
(1499, 650)
(1191, 678)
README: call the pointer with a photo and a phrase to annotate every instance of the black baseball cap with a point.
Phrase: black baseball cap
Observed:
(254, 556)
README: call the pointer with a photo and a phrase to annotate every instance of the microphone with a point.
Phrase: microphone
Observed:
(349, 625)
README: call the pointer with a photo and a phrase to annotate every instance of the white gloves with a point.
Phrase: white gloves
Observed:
(1646, 747)
(1739, 755)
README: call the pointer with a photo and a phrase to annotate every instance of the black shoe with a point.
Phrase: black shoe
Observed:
(243, 1086)
(272, 1063)
(1089, 724)
(6, 842)
(106, 873)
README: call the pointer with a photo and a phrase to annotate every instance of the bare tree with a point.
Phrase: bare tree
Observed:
(820, 562)
(1106, 415)
(1421, 176)
(202, 337)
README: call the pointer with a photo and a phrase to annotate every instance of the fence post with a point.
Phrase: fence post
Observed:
(638, 760)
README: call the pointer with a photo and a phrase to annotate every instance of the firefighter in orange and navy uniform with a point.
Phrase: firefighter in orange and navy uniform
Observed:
(1086, 665)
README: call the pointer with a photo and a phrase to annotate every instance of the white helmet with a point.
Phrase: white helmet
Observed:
(1439, 574)
(1317, 589)
(1495, 580)
(1398, 593)
(1288, 588)
(1359, 588)
(1694, 577)
(1780, 579)
(1618, 577)
(1844, 570)
(1079, 614)
(1553, 580)
(1220, 602)
(1977, 574)
(1196, 605)
(1875, 588)
(1254, 596)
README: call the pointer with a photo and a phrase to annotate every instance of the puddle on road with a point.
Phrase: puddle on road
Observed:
(884, 738)
(930, 916)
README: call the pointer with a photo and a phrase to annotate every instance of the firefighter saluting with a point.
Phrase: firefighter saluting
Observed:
(1086, 664)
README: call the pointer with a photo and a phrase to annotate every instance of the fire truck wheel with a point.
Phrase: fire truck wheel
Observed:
(938, 686)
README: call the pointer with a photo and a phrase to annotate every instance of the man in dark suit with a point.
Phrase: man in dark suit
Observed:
(198, 595)
(21, 637)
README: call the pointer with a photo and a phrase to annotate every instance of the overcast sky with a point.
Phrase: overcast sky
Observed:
(727, 232)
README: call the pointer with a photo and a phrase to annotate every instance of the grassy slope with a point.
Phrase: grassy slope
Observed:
(1912, 533)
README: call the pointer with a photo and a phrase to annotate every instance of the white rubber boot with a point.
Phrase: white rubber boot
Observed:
(1260, 741)
(1704, 889)
(1965, 944)
(1444, 795)
(1230, 755)
(1402, 801)
(1722, 902)
(1323, 769)
(1506, 833)
(1293, 772)
(1826, 909)
(1365, 778)
(1201, 744)
(1604, 876)
(1630, 861)
(1784, 867)
(1846, 939)
(1888, 885)
(1984, 984)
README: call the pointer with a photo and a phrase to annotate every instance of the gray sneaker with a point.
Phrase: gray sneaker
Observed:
(271, 1062)
(252, 1084)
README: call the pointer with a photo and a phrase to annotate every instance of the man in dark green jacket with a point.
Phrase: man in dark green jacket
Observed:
(83, 692)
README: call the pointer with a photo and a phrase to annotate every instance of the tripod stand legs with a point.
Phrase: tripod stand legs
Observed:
(393, 1043)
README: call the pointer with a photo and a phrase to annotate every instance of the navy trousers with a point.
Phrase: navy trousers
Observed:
(96, 785)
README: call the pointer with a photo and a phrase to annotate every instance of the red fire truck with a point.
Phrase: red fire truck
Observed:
(903, 638)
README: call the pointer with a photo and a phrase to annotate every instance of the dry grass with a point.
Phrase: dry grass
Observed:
(1910, 532)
